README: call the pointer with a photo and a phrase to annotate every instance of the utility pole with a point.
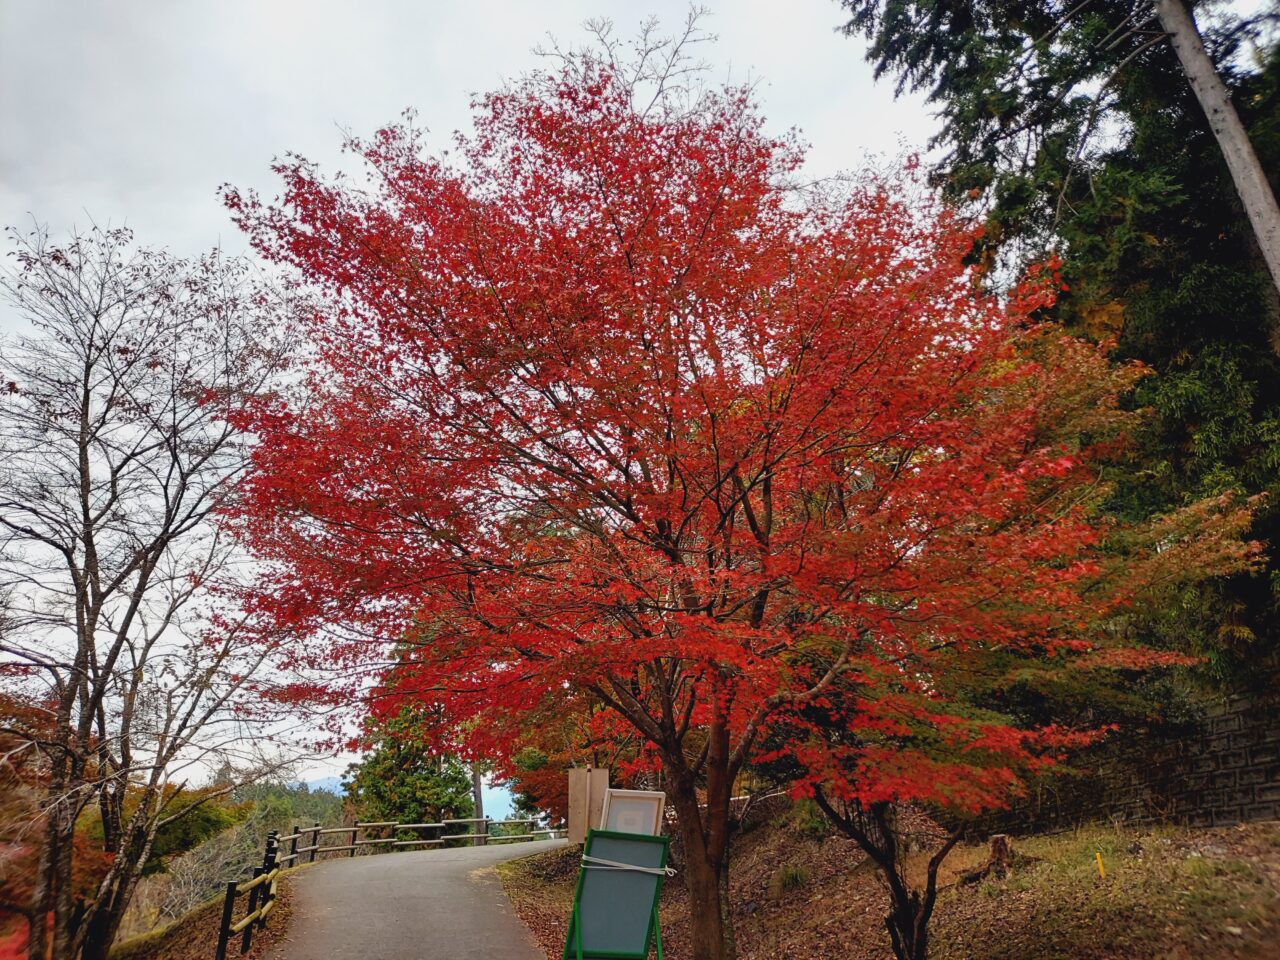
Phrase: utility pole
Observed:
(477, 793)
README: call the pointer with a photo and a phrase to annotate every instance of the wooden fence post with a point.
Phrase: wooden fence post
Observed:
(315, 842)
(293, 845)
(224, 928)
(355, 830)
(247, 938)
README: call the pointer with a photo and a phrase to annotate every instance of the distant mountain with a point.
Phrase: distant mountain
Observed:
(328, 784)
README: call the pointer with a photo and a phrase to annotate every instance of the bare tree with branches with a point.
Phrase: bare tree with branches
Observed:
(117, 446)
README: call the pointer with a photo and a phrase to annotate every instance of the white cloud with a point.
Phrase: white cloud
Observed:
(137, 111)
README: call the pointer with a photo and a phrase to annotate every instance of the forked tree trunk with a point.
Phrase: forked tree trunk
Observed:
(706, 877)
(875, 829)
(1233, 140)
(102, 925)
(704, 832)
(908, 925)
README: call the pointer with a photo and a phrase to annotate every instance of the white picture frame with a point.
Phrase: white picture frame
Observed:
(633, 811)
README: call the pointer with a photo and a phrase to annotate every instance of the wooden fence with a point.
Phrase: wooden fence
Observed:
(261, 892)
(260, 888)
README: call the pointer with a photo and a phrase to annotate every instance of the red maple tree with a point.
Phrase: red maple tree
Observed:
(607, 403)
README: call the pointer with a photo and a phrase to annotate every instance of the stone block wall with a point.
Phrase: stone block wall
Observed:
(1223, 769)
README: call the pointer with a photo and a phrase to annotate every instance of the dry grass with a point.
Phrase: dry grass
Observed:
(1168, 895)
(195, 935)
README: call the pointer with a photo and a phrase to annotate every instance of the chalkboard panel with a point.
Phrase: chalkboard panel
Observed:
(613, 910)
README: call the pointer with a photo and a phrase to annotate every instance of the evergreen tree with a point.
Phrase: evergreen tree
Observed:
(405, 778)
(282, 805)
(1072, 128)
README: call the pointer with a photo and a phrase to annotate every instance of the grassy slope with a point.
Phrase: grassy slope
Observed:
(1168, 895)
(194, 936)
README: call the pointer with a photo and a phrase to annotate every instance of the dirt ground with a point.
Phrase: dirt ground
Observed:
(195, 936)
(1167, 894)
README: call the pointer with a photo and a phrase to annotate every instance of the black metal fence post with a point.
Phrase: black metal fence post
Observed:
(268, 852)
(315, 842)
(268, 864)
(224, 928)
(293, 846)
(247, 937)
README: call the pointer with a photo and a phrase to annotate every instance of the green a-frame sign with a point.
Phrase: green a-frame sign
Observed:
(615, 906)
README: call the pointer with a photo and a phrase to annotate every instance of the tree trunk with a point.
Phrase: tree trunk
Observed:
(711, 933)
(102, 924)
(908, 924)
(103, 920)
(706, 870)
(42, 893)
(63, 908)
(726, 915)
(875, 829)
(1246, 171)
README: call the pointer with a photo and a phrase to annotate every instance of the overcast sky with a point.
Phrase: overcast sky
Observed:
(135, 111)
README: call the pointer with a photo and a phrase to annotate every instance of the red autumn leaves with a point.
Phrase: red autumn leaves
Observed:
(605, 406)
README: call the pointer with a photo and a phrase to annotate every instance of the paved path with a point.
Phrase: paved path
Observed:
(424, 905)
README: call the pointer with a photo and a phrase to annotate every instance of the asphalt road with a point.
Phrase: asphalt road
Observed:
(423, 905)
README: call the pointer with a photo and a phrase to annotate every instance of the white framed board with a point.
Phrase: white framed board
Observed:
(633, 811)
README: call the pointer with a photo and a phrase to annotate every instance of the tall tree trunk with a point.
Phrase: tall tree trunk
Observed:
(63, 908)
(100, 934)
(1246, 171)
(705, 832)
(42, 891)
(102, 923)
(711, 936)
(706, 877)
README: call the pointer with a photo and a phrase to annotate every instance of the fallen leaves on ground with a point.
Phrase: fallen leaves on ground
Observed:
(1169, 894)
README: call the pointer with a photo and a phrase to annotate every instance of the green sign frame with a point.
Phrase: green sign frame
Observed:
(589, 874)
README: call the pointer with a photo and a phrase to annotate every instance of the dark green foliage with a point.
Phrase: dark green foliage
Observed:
(280, 806)
(1023, 85)
(529, 760)
(404, 778)
(206, 818)
(1072, 129)
(199, 815)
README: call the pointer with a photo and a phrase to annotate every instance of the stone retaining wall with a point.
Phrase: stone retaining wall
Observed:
(1223, 769)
